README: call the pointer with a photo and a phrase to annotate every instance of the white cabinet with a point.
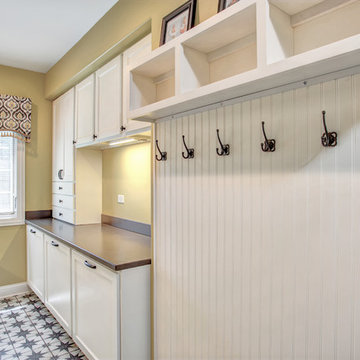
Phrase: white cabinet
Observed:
(85, 110)
(36, 261)
(132, 54)
(58, 281)
(96, 309)
(63, 137)
(108, 104)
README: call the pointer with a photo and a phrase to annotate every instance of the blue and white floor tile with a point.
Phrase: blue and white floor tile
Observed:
(28, 331)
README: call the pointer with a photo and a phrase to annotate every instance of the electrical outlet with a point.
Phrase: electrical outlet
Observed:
(121, 199)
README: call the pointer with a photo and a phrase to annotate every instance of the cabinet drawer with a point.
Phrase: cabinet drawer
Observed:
(64, 214)
(63, 188)
(64, 201)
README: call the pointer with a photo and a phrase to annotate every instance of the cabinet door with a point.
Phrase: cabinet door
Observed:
(134, 53)
(58, 281)
(35, 261)
(84, 110)
(95, 309)
(68, 116)
(63, 136)
(58, 141)
(108, 99)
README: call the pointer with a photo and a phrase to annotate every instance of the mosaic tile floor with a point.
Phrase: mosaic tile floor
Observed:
(29, 331)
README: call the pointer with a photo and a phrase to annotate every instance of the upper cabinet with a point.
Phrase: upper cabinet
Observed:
(85, 110)
(108, 104)
(63, 137)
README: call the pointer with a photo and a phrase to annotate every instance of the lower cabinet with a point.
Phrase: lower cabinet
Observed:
(36, 261)
(58, 281)
(106, 312)
(96, 309)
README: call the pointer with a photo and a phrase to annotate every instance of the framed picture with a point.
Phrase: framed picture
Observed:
(178, 22)
(224, 4)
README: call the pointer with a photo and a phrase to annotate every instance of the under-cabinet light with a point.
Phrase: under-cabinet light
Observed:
(121, 142)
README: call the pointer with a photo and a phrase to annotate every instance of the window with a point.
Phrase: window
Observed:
(12, 210)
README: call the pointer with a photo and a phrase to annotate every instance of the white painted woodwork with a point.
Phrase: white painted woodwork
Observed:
(58, 281)
(154, 80)
(63, 188)
(88, 186)
(135, 313)
(281, 52)
(108, 99)
(66, 201)
(85, 110)
(257, 254)
(36, 261)
(96, 309)
(67, 215)
(135, 53)
(63, 136)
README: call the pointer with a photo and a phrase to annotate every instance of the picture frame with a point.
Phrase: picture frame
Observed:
(178, 22)
(224, 4)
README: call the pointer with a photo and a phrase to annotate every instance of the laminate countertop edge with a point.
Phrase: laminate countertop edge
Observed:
(99, 259)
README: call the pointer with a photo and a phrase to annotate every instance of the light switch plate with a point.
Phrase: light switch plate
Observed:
(121, 199)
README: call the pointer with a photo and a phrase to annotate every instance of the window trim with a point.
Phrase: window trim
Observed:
(19, 217)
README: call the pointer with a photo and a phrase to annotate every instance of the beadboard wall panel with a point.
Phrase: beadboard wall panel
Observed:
(257, 255)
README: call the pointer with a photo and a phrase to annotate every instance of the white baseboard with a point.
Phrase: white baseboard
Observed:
(13, 289)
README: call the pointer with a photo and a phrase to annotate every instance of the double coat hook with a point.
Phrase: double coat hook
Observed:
(269, 145)
(225, 149)
(189, 152)
(328, 139)
(163, 154)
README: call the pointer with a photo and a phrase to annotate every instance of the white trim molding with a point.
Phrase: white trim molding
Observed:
(13, 289)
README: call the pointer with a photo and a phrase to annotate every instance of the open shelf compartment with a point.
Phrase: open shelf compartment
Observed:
(153, 80)
(221, 51)
(295, 27)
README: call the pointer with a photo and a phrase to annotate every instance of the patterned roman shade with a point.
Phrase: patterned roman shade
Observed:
(15, 117)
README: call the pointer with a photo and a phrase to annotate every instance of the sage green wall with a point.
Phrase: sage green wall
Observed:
(37, 168)
(127, 171)
(116, 24)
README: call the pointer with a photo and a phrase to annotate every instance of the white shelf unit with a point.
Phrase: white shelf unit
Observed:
(295, 27)
(253, 46)
(153, 80)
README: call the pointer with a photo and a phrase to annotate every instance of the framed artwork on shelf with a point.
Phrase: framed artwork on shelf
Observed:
(178, 22)
(224, 4)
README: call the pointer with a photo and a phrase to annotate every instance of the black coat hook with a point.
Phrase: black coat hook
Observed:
(269, 145)
(190, 152)
(163, 154)
(225, 149)
(328, 139)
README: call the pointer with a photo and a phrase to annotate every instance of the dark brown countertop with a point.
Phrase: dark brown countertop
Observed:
(113, 247)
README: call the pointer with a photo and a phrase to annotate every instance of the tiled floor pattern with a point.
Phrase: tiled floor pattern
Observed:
(29, 331)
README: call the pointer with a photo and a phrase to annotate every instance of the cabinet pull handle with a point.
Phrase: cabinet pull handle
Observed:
(91, 266)
(32, 231)
(61, 174)
(122, 128)
(53, 243)
(60, 214)
(60, 201)
(74, 142)
(94, 136)
(60, 188)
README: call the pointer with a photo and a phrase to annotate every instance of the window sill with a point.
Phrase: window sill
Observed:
(12, 222)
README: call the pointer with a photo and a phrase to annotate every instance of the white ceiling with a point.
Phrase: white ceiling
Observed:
(35, 34)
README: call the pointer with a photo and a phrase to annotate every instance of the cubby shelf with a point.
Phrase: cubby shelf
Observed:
(254, 45)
